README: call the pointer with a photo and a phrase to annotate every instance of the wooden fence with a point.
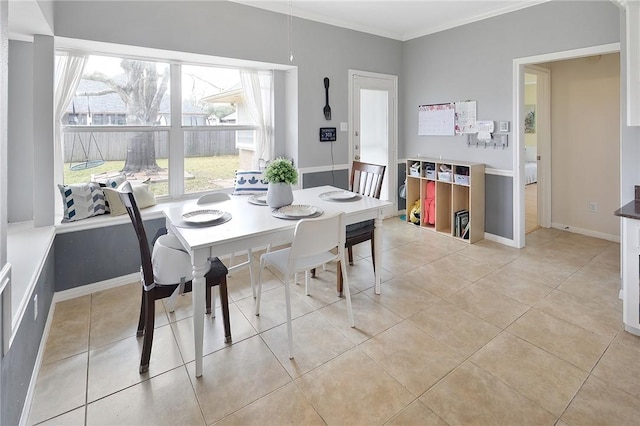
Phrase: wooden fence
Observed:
(112, 146)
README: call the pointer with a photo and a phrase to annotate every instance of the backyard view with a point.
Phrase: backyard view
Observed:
(202, 173)
(116, 93)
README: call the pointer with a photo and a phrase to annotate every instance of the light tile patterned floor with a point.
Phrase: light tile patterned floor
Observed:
(461, 334)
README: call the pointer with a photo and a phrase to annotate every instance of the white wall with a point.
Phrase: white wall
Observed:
(4, 66)
(44, 191)
(46, 8)
(4, 60)
(585, 143)
(629, 136)
(20, 196)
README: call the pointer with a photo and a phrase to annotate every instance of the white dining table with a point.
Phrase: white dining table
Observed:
(253, 226)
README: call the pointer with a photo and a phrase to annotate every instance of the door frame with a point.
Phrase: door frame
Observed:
(392, 148)
(518, 124)
(543, 144)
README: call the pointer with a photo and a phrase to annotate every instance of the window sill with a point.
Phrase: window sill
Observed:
(28, 248)
(27, 251)
(100, 221)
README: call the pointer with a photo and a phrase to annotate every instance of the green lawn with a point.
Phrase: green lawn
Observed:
(203, 173)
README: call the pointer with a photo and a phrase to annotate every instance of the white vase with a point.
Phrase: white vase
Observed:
(279, 194)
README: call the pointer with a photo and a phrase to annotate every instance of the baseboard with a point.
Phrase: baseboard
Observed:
(500, 240)
(26, 408)
(84, 290)
(587, 232)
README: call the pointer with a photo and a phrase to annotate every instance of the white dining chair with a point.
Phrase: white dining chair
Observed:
(315, 242)
(218, 197)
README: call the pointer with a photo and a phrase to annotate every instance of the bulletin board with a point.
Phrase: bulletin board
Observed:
(447, 119)
(436, 119)
(466, 116)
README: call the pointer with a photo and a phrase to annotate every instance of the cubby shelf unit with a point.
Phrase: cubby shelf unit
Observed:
(460, 189)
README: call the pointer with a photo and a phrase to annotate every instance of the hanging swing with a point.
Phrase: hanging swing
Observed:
(85, 162)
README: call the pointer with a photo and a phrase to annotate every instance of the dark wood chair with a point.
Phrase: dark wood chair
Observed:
(152, 291)
(366, 180)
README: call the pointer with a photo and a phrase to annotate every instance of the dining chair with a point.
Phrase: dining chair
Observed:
(167, 270)
(366, 180)
(217, 197)
(315, 242)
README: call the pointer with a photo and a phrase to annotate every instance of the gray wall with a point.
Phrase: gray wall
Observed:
(236, 31)
(94, 255)
(77, 258)
(475, 62)
(498, 217)
(20, 132)
(447, 66)
(18, 363)
(338, 178)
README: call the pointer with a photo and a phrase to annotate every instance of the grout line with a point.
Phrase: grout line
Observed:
(358, 346)
(86, 393)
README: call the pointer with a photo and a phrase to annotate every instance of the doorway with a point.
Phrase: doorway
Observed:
(544, 174)
(537, 147)
(373, 123)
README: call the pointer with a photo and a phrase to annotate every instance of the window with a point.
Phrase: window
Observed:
(113, 95)
(222, 129)
(119, 120)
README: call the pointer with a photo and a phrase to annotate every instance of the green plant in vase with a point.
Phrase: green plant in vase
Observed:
(280, 174)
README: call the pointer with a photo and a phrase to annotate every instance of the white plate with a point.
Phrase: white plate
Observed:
(341, 195)
(297, 210)
(259, 199)
(202, 216)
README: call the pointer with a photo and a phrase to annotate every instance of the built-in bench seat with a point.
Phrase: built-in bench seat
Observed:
(28, 248)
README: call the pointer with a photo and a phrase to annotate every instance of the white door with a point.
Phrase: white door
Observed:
(373, 124)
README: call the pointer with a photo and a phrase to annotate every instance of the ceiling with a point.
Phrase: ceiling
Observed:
(26, 19)
(396, 19)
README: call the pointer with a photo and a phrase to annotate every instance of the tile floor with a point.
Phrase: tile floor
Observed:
(461, 334)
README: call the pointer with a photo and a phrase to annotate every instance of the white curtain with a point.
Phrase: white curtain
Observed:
(258, 101)
(68, 72)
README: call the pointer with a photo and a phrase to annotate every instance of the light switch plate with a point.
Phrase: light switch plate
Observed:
(503, 126)
(344, 127)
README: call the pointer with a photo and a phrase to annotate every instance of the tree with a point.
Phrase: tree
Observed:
(142, 91)
(219, 110)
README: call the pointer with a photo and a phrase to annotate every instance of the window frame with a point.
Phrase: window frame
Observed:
(176, 130)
